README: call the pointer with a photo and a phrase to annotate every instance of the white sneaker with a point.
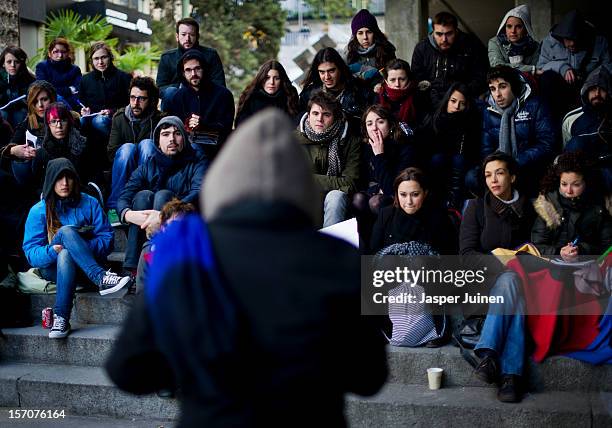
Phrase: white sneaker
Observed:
(111, 283)
(60, 329)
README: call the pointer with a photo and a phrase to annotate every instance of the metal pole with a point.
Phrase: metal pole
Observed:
(185, 4)
(300, 17)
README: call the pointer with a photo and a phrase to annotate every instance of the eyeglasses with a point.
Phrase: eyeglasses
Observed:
(139, 99)
(58, 122)
(58, 51)
(100, 58)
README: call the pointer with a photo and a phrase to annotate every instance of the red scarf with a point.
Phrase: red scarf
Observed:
(407, 112)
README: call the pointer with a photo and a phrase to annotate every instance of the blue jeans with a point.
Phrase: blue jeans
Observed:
(144, 200)
(76, 253)
(14, 116)
(165, 94)
(100, 123)
(127, 159)
(504, 327)
(335, 207)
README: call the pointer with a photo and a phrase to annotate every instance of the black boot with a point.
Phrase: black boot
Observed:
(509, 390)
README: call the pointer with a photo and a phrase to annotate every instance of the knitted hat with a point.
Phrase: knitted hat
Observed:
(364, 19)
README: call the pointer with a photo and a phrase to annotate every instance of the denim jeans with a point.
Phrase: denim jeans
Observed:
(595, 148)
(76, 253)
(14, 116)
(127, 158)
(144, 200)
(165, 94)
(504, 327)
(100, 123)
(335, 207)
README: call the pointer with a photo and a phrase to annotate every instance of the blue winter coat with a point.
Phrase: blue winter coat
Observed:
(535, 133)
(181, 174)
(62, 75)
(85, 212)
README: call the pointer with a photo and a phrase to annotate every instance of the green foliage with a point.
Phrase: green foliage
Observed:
(331, 9)
(79, 31)
(245, 34)
(136, 58)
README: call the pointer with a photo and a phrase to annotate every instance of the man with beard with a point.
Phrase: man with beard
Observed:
(589, 128)
(131, 137)
(187, 37)
(206, 109)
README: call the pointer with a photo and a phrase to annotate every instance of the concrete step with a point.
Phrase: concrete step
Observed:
(8, 417)
(90, 344)
(87, 345)
(120, 238)
(409, 366)
(416, 406)
(89, 307)
(85, 391)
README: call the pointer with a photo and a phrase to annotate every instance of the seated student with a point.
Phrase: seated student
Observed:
(386, 151)
(333, 154)
(515, 44)
(201, 104)
(15, 78)
(569, 53)
(451, 139)
(271, 87)
(174, 171)
(173, 210)
(414, 216)
(131, 137)
(399, 95)
(369, 50)
(66, 233)
(518, 123)
(572, 220)
(449, 55)
(103, 90)
(58, 70)
(330, 74)
(187, 37)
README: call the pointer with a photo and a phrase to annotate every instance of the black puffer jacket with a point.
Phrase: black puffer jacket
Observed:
(561, 220)
(466, 61)
(108, 90)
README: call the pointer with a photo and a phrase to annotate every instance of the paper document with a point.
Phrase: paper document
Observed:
(345, 230)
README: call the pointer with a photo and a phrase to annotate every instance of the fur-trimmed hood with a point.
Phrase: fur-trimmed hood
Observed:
(548, 207)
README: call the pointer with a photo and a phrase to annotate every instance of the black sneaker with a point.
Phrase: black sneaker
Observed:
(60, 329)
(111, 283)
(509, 389)
(487, 370)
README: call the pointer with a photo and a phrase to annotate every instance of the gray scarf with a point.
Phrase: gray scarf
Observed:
(507, 130)
(362, 51)
(331, 135)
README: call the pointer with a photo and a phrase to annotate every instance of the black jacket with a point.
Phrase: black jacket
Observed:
(466, 61)
(108, 90)
(123, 130)
(382, 169)
(291, 356)
(259, 100)
(167, 74)
(430, 225)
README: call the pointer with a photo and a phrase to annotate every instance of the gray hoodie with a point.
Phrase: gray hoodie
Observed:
(499, 52)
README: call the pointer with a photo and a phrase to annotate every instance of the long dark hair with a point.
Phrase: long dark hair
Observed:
(22, 57)
(409, 174)
(326, 55)
(259, 80)
(395, 132)
(384, 51)
(441, 110)
(52, 219)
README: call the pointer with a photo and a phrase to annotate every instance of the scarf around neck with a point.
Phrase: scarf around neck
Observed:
(525, 47)
(365, 51)
(507, 130)
(403, 97)
(332, 136)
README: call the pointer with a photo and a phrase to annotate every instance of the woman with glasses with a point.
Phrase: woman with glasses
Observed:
(103, 90)
(59, 70)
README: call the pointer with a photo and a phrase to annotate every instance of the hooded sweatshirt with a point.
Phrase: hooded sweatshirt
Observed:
(587, 121)
(182, 174)
(525, 54)
(213, 103)
(266, 363)
(82, 210)
(592, 49)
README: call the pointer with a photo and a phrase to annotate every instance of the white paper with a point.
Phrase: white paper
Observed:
(12, 101)
(31, 139)
(345, 230)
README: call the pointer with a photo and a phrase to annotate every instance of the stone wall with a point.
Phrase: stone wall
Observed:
(9, 23)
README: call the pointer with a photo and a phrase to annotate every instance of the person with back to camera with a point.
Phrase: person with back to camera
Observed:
(250, 343)
(67, 233)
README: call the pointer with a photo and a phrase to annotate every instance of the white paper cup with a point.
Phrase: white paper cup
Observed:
(434, 375)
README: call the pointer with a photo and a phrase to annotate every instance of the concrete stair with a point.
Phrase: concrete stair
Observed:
(36, 372)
